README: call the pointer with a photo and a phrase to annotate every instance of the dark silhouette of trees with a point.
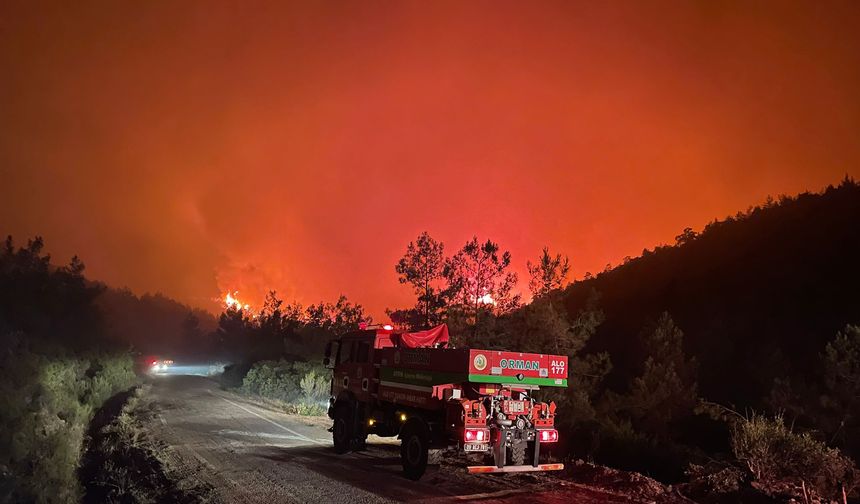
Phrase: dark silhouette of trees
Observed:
(337, 318)
(283, 330)
(840, 394)
(468, 290)
(758, 294)
(666, 390)
(233, 333)
(687, 236)
(479, 284)
(51, 305)
(548, 273)
(422, 267)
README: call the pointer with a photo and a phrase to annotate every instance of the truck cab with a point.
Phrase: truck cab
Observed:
(351, 359)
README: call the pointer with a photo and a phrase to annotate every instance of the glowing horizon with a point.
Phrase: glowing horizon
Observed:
(201, 150)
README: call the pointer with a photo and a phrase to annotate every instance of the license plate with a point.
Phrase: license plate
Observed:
(514, 407)
(476, 447)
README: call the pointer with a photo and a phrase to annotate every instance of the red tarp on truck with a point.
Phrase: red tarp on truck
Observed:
(431, 338)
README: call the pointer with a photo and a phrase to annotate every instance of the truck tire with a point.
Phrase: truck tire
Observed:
(414, 448)
(518, 452)
(341, 431)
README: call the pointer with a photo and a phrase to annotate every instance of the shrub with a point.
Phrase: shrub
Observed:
(716, 478)
(46, 404)
(772, 452)
(302, 386)
(315, 387)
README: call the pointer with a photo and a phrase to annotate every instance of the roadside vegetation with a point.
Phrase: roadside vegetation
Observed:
(46, 404)
(769, 457)
(124, 463)
(299, 388)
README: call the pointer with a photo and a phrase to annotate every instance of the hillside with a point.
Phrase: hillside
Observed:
(757, 295)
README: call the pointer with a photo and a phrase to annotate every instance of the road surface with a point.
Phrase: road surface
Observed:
(253, 454)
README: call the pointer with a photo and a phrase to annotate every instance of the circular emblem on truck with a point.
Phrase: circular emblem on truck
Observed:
(480, 362)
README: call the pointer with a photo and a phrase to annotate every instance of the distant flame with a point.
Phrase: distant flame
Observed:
(231, 301)
(487, 299)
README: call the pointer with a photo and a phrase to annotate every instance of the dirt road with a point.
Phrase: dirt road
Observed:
(252, 454)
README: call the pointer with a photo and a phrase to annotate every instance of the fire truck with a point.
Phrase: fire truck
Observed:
(413, 385)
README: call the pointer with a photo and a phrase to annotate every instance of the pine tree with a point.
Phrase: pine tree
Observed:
(666, 390)
(548, 274)
(479, 284)
(841, 397)
(422, 267)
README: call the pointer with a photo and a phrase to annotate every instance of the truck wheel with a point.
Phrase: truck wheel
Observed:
(518, 452)
(341, 433)
(414, 447)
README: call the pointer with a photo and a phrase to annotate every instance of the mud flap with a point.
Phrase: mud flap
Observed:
(500, 452)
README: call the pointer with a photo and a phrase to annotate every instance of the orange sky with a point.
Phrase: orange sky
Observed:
(191, 148)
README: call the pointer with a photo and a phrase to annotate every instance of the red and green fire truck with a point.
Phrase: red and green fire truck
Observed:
(414, 386)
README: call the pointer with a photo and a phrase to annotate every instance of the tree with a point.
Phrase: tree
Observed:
(338, 318)
(270, 320)
(49, 304)
(841, 398)
(75, 267)
(586, 371)
(667, 389)
(234, 326)
(548, 274)
(478, 281)
(585, 325)
(274, 326)
(687, 236)
(422, 267)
